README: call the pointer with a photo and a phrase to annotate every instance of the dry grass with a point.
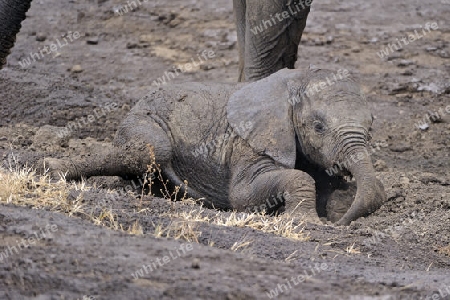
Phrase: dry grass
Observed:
(22, 187)
(155, 168)
(135, 229)
(352, 249)
(240, 245)
(178, 230)
(284, 225)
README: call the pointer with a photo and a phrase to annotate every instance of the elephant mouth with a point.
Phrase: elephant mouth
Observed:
(339, 170)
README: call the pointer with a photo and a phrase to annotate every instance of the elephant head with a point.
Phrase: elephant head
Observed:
(321, 114)
(12, 13)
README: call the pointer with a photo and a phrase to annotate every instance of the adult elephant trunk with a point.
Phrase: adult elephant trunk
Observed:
(370, 194)
(12, 13)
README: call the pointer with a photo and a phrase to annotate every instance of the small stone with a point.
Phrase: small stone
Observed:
(400, 96)
(195, 263)
(92, 41)
(80, 16)
(3, 138)
(404, 63)
(226, 46)
(77, 69)
(407, 73)
(146, 38)
(426, 178)
(174, 23)
(206, 67)
(401, 147)
(424, 126)
(318, 42)
(330, 39)
(40, 37)
(404, 180)
(380, 165)
(131, 45)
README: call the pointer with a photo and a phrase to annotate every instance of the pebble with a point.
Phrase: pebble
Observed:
(426, 178)
(92, 41)
(404, 180)
(330, 39)
(196, 263)
(174, 23)
(40, 37)
(401, 147)
(226, 46)
(77, 69)
(207, 67)
(380, 165)
(147, 38)
(404, 63)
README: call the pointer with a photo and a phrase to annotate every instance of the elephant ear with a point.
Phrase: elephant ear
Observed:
(261, 114)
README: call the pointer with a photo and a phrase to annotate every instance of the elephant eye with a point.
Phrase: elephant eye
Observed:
(319, 127)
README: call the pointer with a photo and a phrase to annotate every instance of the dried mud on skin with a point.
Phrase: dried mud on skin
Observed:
(396, 253)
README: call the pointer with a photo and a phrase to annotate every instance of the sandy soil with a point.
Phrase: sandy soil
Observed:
(400, 252)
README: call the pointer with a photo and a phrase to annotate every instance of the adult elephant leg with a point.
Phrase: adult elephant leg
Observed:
(12, 13)
(239, 7)
(273, 32)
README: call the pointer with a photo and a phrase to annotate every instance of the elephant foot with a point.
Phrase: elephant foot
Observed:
(305, 209)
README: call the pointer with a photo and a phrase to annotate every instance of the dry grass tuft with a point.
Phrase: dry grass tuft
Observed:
(352, 249)
(135, 229)
(155, 168)
(23, 187)
(178, 230)
(240, 245)
(279, 225)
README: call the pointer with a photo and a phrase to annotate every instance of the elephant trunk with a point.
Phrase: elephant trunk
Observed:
(12, 13)
(370, 193)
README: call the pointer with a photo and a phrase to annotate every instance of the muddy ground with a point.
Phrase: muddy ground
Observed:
(399, 252)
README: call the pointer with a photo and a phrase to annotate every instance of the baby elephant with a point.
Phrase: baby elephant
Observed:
(238, 145)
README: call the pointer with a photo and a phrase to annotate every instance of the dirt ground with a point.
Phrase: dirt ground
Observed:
(402, 251)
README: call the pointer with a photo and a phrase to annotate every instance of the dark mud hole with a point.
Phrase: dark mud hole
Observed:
(399, 247)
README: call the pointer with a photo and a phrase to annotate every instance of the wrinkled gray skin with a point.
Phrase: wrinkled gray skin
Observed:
(12, 13)
(254, 138)
(260, 54)
(276, 46)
